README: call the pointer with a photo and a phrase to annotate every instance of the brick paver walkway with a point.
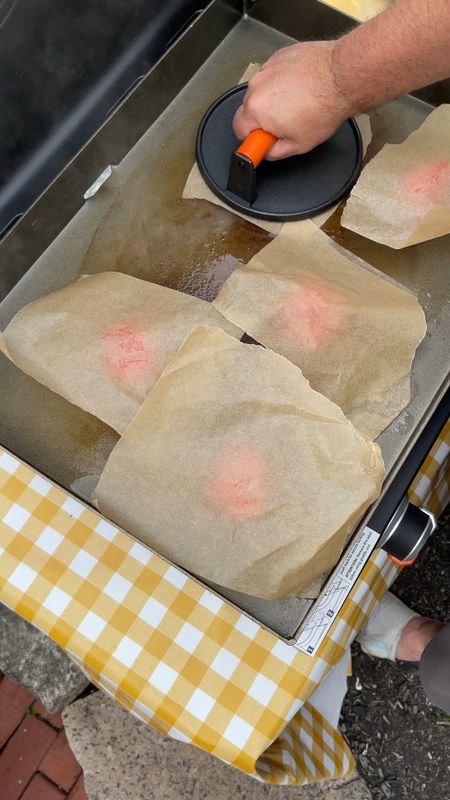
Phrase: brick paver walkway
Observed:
(36, 762)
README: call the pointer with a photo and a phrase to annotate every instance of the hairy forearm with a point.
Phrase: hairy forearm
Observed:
(401, 50)
(304, 92)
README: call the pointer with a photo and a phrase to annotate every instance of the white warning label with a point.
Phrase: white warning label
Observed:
(336, 591)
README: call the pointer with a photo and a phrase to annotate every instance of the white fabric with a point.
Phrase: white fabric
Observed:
(329, 695)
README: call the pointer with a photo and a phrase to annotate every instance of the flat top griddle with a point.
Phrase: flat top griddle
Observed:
(193, 246)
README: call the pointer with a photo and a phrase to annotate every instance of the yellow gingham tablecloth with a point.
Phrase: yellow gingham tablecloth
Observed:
(173, 653)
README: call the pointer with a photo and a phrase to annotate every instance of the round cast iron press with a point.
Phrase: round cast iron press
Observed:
(285, 190)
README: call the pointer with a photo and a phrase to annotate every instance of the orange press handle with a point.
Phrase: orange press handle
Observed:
(399, 563)
(256, 145)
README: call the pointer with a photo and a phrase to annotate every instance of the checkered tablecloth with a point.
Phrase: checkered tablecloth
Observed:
(173, 653)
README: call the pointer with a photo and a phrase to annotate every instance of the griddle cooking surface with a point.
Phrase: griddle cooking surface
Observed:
(291, 189)
(193, 246)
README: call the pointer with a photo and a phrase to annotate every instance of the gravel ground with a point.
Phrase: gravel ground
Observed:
(400, 741)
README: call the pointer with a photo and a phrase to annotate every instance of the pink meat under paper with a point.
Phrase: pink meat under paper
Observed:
(103, 342)
(402, 197)
(128, 356)
(428, 183)
(240, 487)
(313, 315)
(352, 333)
(235, 469)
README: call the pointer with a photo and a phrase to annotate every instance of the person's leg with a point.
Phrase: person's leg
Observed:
(383, 631)
(395, 632)
(434, 669)
(415, 637)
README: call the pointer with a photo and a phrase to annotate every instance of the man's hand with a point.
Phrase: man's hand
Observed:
(304, 92)
(294, 96)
